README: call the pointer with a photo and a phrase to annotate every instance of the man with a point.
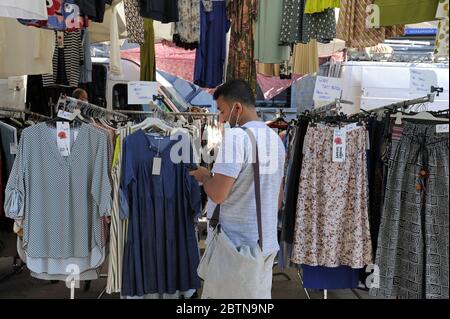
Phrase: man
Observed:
(231, 183)
(81, 95)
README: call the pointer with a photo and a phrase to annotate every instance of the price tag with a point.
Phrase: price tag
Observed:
(60, 39)
(442, 128)
(156, 170)
(66, 115)
(352, 127)
(13, 148)
(63, 138)
(339, 145)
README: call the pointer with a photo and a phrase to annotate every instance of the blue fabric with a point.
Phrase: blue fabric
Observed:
(161, 252)
(210, 55)
(318, 277)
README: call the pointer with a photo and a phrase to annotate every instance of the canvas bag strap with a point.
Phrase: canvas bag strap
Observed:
(214, 221)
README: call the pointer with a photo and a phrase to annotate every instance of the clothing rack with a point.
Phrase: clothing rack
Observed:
(23, 111)
(74, 104)
(167, 113)
(404, 105)
(333, 106)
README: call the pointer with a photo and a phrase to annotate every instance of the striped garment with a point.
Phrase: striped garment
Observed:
(67, 61)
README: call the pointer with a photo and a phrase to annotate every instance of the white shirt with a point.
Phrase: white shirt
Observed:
(238, 212)
(24, 9)
(25, 50)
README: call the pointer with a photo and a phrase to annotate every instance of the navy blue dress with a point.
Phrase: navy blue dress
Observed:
(319, 277)
(161, 252)
(210, 55)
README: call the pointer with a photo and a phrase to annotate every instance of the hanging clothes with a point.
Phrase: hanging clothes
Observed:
(332, 225)
(412, 252)
(9, 143)
(317, 277)
(24, 50)
(86, 68)
(24, 9)
(300, 27)
(210, 55)
(267, 48)
(442, 41)
(161, 253)
(305, 59)
(135, 23)
(398, 12)
(352, 28)
(241, 60)
(148, 58)
(119, 224)
(160, 10)
(187, 29)
(67, 60)
(94, 9)
(60, 199)
(317, 6)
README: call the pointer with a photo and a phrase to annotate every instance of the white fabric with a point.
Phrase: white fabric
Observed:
(235, 273)
(115, 60)
(238, 211)
(101, 32)
(25, 50)
(24, 9)
(163, 31)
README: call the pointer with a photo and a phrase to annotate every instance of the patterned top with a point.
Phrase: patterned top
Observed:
(300, 27)
(241, 62)
(187, 30)
(442, 36)
(60, 199)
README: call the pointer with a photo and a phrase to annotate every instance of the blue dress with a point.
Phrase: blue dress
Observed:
(161, 252)
(211, 53)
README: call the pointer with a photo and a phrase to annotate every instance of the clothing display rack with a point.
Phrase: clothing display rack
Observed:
(23, 111)
(85, 106)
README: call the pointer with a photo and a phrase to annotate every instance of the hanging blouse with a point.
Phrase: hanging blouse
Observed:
(60, 199)
(160, 10)
(299, 27)
(317, 6)
(267, 48)
(67, 60)
(443, 30)
(94, 9)
(352, 26)
(24, 9)
(135, 23)
(161, 252)
(241, 60)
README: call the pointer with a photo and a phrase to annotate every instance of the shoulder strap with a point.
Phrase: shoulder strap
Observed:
(214, 221)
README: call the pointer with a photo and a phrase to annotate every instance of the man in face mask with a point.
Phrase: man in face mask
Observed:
(231, 182)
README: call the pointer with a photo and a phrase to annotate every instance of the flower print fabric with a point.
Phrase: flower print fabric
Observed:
(332, 224)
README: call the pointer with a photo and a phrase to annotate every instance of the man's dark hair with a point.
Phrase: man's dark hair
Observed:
(236, 91)
(78, 93)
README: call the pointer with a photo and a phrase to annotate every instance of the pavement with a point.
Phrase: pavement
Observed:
(22, 286)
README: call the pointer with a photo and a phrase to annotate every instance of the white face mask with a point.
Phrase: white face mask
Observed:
(227, 123)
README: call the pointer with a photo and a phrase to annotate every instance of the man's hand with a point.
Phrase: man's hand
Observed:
(200, 174)
(217, 187)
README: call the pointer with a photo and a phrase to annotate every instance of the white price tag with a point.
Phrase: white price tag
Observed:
(352, 127)
(156, 170)
(13, 148)
(339, 145)
(63, 138)
(66, 115)
(442, 128)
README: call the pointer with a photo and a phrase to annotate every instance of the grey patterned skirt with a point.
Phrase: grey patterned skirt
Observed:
(413, 244)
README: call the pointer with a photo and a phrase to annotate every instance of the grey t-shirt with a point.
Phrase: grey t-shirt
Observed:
(238, 212)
